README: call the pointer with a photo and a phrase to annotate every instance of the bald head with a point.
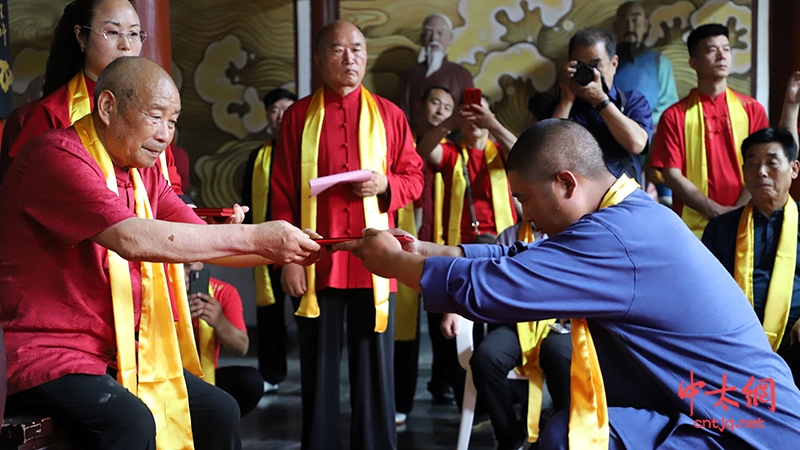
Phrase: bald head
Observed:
(136, 108)
(553, 145)
(128, 76)
(327, 35)
(341, 56)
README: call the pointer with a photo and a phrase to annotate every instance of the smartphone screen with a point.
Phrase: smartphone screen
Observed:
(198, 281)
(472, 96)
(558, 328)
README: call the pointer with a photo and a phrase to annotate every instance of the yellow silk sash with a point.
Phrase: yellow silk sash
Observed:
(501, 200)
(79, 100)
(438, 208)
(407, 299)
(162, 342)
(697, 154)
(588, 412)
(531, 335)
(372, 150)
(207, 345)
(781, 283)
(438, 202)
(260, 182)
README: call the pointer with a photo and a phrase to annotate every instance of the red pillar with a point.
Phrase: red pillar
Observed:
(154, 17)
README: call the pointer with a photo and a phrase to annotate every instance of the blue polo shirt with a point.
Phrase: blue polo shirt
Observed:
(660, 307)
(617, 158)
(720, 238)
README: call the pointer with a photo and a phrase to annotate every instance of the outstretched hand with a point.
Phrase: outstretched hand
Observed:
(377, 249)
(284, 243)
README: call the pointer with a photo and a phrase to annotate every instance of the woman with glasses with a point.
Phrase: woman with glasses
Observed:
(89, 35)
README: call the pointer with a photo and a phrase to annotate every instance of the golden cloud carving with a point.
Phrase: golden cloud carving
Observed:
(214, 86)
(522, 61)
(483, 33)
(662, 19)
(6, 77)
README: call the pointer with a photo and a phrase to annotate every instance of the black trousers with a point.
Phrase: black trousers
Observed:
(494, 357)
(271, 334)
(105, 415)
(371, 357)
(555, 359)
(406, 369)
(243, 383)
(445, 369)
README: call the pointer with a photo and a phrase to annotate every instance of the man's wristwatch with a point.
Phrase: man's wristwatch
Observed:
(602, 104)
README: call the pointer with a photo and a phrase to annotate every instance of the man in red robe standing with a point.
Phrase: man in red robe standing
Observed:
(342, 127)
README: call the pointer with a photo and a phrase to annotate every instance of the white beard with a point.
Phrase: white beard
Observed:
(434, 55)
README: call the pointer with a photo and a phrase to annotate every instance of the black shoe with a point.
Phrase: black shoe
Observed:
(441, 396)
(514, 443)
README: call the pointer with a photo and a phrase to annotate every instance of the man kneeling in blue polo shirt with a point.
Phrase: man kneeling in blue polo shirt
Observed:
(667, 352)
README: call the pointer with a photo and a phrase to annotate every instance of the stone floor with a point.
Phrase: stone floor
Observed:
(276, 424)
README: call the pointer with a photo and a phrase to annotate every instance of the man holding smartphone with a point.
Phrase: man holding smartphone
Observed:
(218, 320)
(620, 121)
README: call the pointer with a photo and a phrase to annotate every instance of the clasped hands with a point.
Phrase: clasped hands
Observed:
(375, 249)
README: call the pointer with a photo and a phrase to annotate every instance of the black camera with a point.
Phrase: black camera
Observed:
(584, 74)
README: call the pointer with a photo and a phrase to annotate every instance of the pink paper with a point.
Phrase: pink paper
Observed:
(318, 185)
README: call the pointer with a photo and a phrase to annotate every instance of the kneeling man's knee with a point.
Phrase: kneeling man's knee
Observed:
(555, 435)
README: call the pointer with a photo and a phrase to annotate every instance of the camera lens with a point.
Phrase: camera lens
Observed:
(583, 75)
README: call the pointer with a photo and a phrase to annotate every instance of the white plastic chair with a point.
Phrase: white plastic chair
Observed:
(465, 346)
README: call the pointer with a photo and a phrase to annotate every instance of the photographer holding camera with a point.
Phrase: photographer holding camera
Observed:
(620, 121)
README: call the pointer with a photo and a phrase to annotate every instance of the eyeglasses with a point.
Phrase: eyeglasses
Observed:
(130, 36)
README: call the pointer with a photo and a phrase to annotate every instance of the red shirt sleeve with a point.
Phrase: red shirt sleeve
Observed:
(11, 131)
(755, 113)
(449, 156)
(82, 206)
(405, 165)
(285, 177)
(668, 151)
(228, 297)
(40, 118)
